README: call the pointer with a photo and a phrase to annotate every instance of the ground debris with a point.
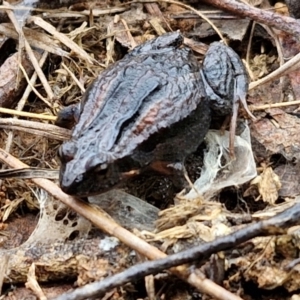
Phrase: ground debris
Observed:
(278, 133)
(81, 42)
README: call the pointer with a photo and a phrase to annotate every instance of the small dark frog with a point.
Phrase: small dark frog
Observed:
(149, 111)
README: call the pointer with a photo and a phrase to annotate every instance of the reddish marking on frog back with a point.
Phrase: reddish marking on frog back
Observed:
(149, 119)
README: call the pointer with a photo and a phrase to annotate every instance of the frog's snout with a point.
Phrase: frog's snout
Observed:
(70, 184)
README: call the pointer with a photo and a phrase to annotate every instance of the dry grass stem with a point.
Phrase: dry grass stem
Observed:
(63, 39)
(33, 284)
(273, 105)
(74, 78)
(26, 114)
(39, 128)
(33, 88)
(35, 38)
(22, 40)
(95, 12)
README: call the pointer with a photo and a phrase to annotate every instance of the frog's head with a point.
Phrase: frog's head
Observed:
(85, 174)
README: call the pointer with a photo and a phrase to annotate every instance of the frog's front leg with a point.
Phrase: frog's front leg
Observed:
(170, 147)
(68, 116)
(226, 81)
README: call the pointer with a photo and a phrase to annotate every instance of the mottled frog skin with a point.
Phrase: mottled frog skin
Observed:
(148, 111)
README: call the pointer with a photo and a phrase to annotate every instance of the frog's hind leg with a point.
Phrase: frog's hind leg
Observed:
(226, 84)
(239, 96)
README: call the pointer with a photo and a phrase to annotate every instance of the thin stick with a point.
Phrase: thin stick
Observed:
(31, 83)
(33, 88)
(74, 78)
(62, 38)
(273, 105)
(30, 53)
(26, 114)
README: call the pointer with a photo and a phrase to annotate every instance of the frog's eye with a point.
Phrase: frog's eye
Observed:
(65, 153)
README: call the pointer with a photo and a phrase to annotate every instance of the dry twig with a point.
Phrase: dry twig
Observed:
(62, 38)
(38, 128)
(31, 55)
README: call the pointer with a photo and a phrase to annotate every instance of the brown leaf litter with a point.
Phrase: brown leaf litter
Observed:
(76, 46)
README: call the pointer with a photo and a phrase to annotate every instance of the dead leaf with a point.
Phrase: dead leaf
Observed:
(289, 176)
(279, 133)
(268, 184)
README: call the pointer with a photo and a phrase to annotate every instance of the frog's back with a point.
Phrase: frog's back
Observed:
(138, 95)
(128, 103)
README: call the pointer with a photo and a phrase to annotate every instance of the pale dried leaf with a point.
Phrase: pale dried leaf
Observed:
(268, 184)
